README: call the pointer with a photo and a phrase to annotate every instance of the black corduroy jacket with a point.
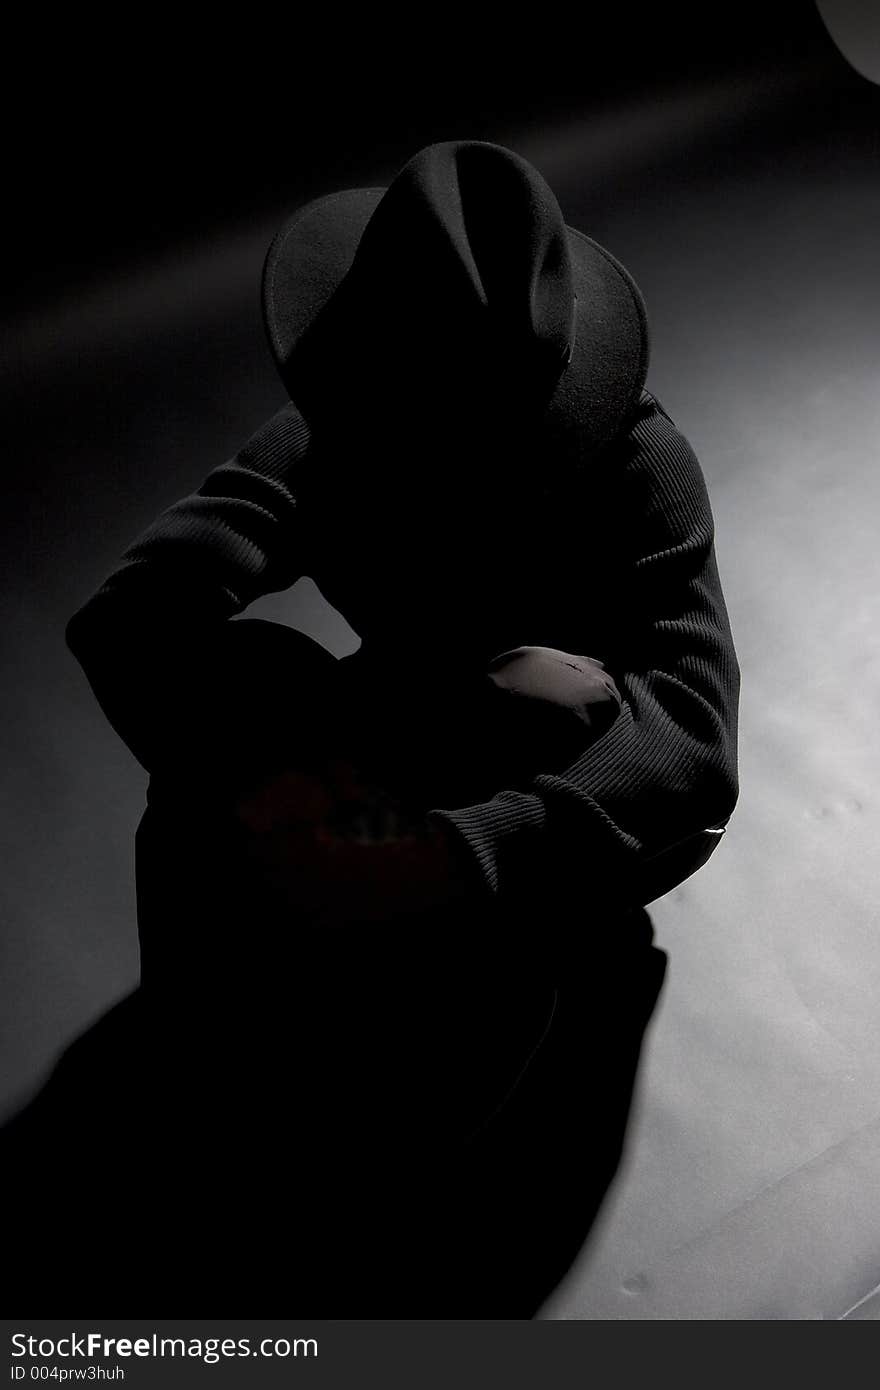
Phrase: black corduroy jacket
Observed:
(558, 861)
(633, 580)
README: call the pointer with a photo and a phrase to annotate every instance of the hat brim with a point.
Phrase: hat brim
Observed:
(602, 384)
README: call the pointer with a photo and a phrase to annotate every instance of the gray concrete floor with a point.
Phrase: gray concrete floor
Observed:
(752, 1180)
(751, 1185)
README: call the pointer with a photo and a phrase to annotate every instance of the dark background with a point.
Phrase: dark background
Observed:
(147, 174)
(131, 148)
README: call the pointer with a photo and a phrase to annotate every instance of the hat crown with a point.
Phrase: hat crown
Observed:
(460, 292)
(471, 237)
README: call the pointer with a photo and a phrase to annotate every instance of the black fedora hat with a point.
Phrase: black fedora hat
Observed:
(460, 280)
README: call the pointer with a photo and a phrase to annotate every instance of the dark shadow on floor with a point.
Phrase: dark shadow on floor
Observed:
(164, 1162)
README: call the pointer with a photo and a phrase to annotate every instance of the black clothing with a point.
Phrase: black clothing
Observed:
(209, 705)
(630, 578)
(394, 1045)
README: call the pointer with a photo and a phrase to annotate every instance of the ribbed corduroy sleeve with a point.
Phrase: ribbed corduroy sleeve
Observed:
(667, 766)
(168, 669)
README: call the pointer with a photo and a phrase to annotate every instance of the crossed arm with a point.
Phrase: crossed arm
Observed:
(666, 768)
(173, 677)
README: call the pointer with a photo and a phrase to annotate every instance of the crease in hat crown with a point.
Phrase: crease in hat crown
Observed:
(464, 258)
(486, 224)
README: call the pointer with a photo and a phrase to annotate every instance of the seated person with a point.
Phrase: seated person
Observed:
(401, 1061)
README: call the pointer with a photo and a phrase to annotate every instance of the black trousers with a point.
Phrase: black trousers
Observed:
(209, 1147)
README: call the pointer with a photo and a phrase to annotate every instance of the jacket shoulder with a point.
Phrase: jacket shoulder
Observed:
(649, 404)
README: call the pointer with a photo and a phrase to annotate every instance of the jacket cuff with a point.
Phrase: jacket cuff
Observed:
(492, 833)
(282, 440)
